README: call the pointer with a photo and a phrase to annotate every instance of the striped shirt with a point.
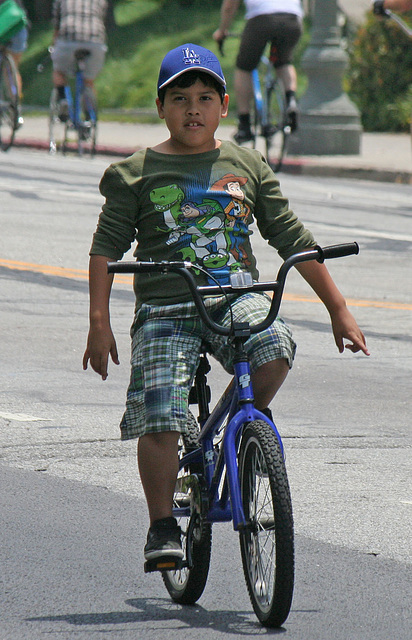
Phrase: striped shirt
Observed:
(80, 20)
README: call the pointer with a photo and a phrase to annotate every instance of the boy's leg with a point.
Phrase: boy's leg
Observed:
(267, 381)
(158, 467)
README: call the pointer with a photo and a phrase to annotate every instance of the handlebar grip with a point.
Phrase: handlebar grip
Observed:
(338, 251)
(131, 267)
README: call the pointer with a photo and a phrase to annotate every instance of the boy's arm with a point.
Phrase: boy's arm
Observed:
(100, 341)
(343, 323)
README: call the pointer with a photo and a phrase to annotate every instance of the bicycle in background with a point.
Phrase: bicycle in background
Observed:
(401, 23)
(9, 99)
(269, 118)
(82, 115)
(231, 461)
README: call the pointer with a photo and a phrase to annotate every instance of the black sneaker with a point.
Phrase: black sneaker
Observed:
(243, 135)
(163, 540)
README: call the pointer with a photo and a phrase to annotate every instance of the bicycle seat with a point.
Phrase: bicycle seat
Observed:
(81, 54)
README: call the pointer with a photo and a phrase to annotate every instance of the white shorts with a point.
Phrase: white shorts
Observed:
(64, 61)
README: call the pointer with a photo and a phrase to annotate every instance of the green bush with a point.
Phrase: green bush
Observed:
(379, 77)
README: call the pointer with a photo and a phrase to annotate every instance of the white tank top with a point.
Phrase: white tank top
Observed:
(263, 7)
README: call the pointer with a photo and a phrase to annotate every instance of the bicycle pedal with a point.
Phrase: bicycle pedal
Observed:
(166, 563)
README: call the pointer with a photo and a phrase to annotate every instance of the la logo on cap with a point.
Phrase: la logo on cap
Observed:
(190, 56)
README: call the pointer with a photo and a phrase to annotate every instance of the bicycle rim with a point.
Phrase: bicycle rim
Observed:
(187, 584)
(8, 102)
(276, 142)
(267, 542)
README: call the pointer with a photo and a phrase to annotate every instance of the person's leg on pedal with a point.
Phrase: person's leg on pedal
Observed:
(287, 75)
(270, 352)
(244, 96)
(251, 48)
(165, 352)
(158, 468)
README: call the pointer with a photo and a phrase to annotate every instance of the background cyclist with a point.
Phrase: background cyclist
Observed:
(78, 24)
(275, 21)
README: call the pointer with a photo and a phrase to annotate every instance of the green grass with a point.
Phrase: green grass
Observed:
(145, 31)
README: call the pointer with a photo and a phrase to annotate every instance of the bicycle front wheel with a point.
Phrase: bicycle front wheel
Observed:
(8, 102)
(267, 542)
(187, 584)
(276, 132)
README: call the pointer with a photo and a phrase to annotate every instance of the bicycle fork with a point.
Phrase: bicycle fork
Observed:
(224, 509)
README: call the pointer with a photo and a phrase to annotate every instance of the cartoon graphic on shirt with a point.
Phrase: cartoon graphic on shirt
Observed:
(237, 213)
(168, 200)
(206, 225)
(210, 233)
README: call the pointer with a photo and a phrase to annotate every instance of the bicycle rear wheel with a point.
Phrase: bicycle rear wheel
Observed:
(187, 584)
(275, 129)
(8, 102)
(267, 542)
(87, 128)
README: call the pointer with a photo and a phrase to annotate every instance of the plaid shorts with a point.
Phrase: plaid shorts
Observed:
(166, 343)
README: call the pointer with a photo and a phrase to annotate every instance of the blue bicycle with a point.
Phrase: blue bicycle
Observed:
(270, 117)
(232, 465)
(82, 116)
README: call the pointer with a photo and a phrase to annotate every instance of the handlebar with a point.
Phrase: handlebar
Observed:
(220, 43)
(401, 23)
(182, 268)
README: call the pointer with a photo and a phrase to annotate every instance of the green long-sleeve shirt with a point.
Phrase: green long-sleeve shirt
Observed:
(194, 207)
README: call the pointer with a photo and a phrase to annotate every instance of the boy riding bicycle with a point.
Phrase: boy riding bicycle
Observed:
(192, 197)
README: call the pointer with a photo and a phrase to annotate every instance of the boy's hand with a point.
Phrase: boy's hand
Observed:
(344, 326)
(100, 343)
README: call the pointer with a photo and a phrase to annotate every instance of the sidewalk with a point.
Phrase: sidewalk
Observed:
(384, 157)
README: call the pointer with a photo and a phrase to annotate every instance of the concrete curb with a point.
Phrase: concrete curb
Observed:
(294, 166)
(310, 168)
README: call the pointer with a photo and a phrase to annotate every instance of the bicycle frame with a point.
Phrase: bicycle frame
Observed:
(257, 90)
(236, 403)
(75, 105)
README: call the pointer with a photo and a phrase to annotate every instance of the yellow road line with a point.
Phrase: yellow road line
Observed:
(82, 274)
(63, 272)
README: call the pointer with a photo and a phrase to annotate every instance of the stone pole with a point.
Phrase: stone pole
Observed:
(329, 123)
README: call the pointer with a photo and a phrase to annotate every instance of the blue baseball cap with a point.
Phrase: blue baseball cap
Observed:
(189, 57)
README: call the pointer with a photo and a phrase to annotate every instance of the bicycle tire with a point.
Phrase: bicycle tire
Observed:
(266, 544)
(87, 128)
(257, 107)
(278, 130)
(9, 101)
(186, 585)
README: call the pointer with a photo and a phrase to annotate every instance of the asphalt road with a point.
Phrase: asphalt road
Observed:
(73, 515)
